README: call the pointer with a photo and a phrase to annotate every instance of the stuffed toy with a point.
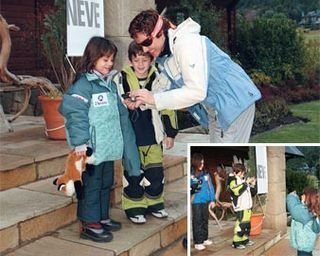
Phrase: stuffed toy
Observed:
(71, 180)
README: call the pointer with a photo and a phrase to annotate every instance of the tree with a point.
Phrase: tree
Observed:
(202, 11)
(53, 40)
(311, 158)
(271, 44)
(291, 8)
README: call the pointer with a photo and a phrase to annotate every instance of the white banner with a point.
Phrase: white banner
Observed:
(262, 169)
(85, 19)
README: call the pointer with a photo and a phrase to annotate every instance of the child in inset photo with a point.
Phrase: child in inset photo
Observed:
(305, 224)
(242, 189)
(203, 195)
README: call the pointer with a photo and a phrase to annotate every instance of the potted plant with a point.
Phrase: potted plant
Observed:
(53, 40)
(259, 200)
(258, 215)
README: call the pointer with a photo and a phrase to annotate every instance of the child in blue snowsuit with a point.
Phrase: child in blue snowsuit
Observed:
(305, 224)
(95, 117)
(203, 197)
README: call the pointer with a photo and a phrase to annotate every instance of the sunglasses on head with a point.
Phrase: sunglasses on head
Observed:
(149, 40)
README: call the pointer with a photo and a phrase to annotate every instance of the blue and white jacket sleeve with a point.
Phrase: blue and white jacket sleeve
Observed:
(75, 108)
(189, 56)
(298, 211)
(131, 159)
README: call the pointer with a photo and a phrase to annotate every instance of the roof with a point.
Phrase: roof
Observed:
(225, 3)
(292, 151)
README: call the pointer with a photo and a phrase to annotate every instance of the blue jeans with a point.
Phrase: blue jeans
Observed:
(94, 206)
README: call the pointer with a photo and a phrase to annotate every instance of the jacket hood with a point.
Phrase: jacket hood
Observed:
(95, 75)
(129, 70)
(132, 78)
(186, 27)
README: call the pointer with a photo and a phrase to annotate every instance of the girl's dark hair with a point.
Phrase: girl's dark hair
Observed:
(95, 49)
(239, 168)
(196, 160)
(312, 200)
(145, 22)
(135, 49)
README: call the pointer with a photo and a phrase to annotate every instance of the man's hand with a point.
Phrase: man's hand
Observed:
(143, 96)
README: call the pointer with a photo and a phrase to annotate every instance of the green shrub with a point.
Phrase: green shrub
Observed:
(312, 61)
(205, 13)
(54, 43)
(260, 78)
(269, 111)
(272, 45)
(296, 181)
(312, 181)
(317, 169)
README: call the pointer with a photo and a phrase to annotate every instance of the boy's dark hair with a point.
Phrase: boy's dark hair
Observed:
(135, 49)
(239, 168)
(95, 49)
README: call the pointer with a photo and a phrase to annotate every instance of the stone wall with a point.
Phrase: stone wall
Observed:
(118, 15)
(276, 216)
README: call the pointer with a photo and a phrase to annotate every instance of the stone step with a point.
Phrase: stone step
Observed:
(25, 159)
(27, 156)
(283, 247)
(43, 210)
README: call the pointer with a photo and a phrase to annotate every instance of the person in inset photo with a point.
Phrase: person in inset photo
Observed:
(203, 196)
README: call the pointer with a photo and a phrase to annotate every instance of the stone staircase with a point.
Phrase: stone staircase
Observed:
(36, 219)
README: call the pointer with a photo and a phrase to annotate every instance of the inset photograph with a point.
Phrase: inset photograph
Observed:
(254, 200)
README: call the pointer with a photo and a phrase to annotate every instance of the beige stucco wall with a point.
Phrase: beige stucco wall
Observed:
(118, 15)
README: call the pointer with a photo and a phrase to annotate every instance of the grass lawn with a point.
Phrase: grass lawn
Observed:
(298, 132)
(313, 35)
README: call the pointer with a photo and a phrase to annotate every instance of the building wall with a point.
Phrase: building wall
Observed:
(276, 215)
(213, 156)
(118, 15)
(26, 54)
(26, 57)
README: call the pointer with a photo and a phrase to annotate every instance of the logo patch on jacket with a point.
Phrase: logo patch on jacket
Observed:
(100, 99)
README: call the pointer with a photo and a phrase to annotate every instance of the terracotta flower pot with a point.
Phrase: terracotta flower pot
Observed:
(54, 122)
(256, 223)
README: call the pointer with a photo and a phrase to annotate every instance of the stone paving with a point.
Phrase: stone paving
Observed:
(268, 243)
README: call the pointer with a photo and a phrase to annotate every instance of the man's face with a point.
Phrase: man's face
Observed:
(155, 48)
